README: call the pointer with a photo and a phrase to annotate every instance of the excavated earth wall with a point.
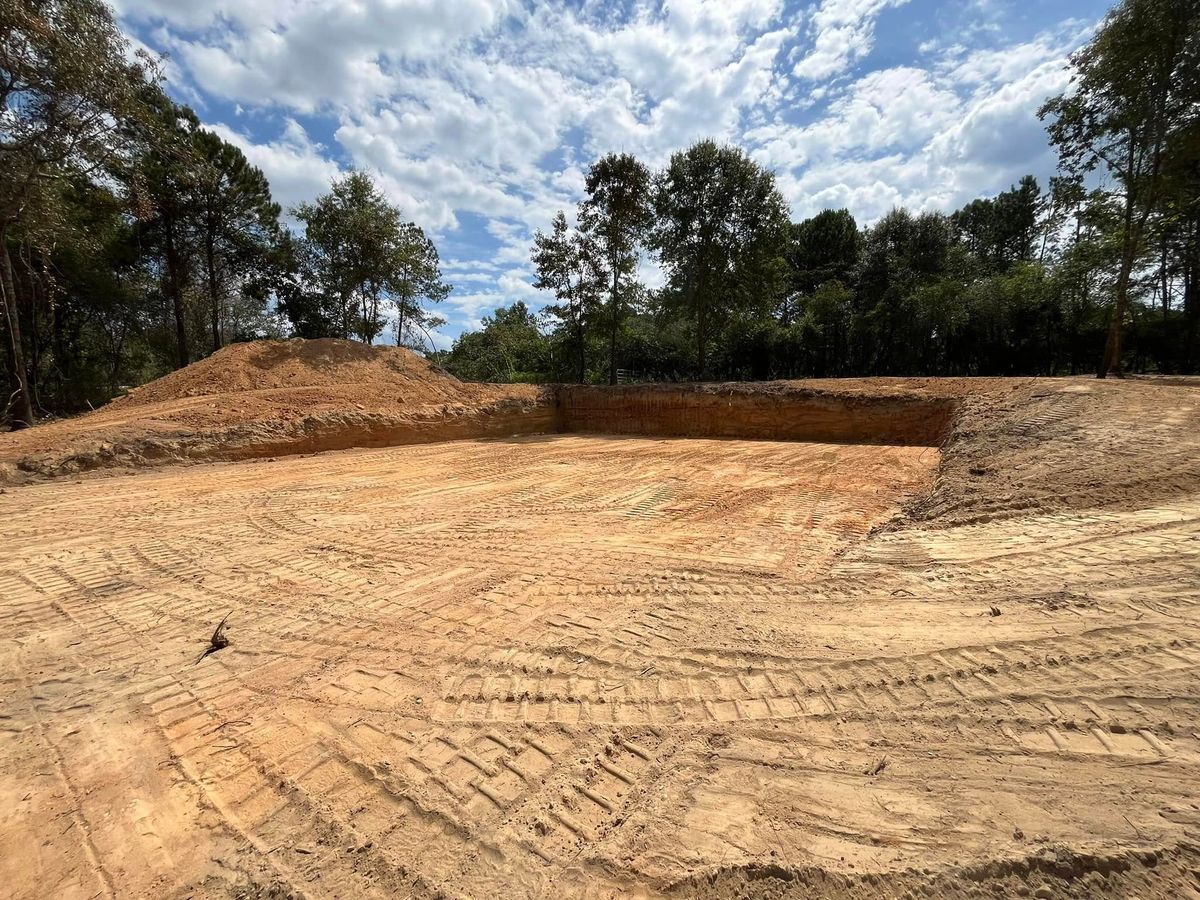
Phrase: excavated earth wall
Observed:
(309, 434)
(773, 412)
(777, 412)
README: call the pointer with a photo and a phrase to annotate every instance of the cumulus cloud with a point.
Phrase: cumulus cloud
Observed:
(297, 167)
(843, 32)
(480, 117)
(926, 138)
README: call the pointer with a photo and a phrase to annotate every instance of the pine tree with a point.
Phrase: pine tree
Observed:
(568, 264)
(234, 214)
(616, 216)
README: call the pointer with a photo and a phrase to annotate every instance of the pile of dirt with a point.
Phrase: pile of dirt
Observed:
(283, 365)
(1025, 446)
(276, 397)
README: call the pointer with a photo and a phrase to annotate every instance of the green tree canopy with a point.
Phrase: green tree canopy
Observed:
(1136, 86)
(823, 248)
(616, 216)
(236, 219)
(720, 232)
(67, 90)
(508, 347)
(357, 258)
(568, 264)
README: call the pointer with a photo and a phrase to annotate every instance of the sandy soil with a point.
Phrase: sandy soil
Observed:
(579, 665)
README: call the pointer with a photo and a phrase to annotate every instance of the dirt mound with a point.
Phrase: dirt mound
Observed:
(325, 363)
(269, 397)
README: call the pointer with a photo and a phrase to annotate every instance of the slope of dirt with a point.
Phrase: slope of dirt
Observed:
(1021, 446)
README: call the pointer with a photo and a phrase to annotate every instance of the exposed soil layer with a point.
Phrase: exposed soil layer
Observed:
(580, 665)
(778, 412)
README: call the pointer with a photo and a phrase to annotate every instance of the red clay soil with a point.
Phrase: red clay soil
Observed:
(1009, 444)
(390, 373)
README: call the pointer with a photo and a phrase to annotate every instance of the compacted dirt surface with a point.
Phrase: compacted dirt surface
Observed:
(573, 664)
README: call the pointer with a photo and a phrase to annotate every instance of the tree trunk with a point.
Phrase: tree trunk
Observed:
(115, 359)
(213, 297)
(1166, 281)
(175, 287)
(374, 318)
(344, 315)
(37, 300)
(1111, 364)
(20, 404)
(1191, 307)
(612, 328)
(582, 347)
(58, 345)
(366, 313)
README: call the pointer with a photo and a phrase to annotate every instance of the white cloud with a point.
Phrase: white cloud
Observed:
(306, 54)
(924, 138)
(843, 32)
(482, 116)
(297, 168)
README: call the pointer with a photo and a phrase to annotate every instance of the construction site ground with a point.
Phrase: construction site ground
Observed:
(574, 664)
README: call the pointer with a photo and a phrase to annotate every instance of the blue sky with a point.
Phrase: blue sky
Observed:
(480, 117)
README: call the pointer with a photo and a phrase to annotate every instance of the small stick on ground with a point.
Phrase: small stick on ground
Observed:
(218, 641)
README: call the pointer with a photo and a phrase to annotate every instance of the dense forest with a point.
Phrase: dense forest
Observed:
(1095, 272)
(133, 241)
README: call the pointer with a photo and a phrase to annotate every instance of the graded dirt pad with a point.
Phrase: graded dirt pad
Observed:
(579, 665)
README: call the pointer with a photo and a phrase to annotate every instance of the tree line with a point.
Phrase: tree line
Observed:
(1096, 272)
(133, 240)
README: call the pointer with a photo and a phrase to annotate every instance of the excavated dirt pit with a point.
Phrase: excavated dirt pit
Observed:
(612, 666)
(462, 655)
